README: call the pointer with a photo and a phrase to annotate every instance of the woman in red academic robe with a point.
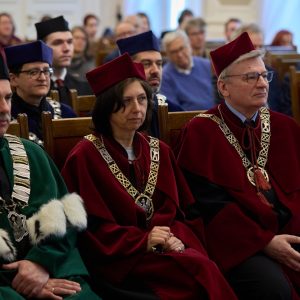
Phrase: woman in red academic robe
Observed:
(137, 237)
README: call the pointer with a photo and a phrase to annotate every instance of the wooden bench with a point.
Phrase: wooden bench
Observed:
(61, 135)
(171, 123)
(19, 127)
(82, 105)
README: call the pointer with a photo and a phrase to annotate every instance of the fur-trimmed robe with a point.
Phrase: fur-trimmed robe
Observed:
(53, 218)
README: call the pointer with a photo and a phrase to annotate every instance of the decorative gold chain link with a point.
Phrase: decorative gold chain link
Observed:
(265, 137)
(132, 191)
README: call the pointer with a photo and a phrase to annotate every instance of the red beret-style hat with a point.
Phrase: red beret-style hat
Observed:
(223, 56)
(111, 73)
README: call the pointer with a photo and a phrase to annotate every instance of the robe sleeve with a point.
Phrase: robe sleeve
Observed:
(109, 236)
(57, 252)
(231, 233)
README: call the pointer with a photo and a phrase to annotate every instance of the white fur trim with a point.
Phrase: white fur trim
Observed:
(74, 210)
(51, 219)
(7, 250)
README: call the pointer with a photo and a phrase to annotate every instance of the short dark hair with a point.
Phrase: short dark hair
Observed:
(89, 16)
(184, 13)
(111, 101)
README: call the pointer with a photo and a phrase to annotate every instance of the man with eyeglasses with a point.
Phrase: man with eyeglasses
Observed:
(39, 220)
(242, 163)
(57, 35)
(30, 75)
(187, 79)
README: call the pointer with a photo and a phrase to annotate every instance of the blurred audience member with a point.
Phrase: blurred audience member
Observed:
(283, 38)
(184, 16)
(196, 29)
(57, 35)
(146, 24)
(230, 26)
(186, 80)
(45, 18)
(90, 24)
(7, 31)
(81, 62)
(137, 22)
(123, 30)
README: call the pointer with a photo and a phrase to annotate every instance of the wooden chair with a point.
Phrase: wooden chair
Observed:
(61, 135)
(274, 59)
(295, 93)
(82, 105)
(54, 95)
(19, 127)
(171, 123)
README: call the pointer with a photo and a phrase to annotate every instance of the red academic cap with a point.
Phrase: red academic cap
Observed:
(223, 56)
(111, 73)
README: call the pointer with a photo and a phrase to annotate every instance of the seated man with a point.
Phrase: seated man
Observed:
(39, 220)
(242, 163)
(30, 73)
(187, 80)
(195, 29)
(57, 35)
(144, 48)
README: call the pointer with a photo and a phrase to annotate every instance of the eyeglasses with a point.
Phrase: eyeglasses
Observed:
(253, 77)
(36, 73)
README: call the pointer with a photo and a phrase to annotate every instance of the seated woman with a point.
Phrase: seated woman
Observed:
(132, 189)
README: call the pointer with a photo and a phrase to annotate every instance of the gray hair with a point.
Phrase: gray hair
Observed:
(171, 36)
(250, 28)
(199, 23)
(246, 56)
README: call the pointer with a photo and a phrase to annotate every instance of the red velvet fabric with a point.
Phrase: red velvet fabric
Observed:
(113, 72)
(223, 56)
(115, 247)
(234, 234)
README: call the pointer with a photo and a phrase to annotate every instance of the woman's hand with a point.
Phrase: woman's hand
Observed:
(280, 249)
(159, 235)
(174, 244)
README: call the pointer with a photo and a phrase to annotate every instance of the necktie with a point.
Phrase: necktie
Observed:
(59, 82)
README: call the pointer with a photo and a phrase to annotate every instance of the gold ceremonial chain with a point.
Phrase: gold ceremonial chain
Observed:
(21, 188)
(265, 143)
(144, 200)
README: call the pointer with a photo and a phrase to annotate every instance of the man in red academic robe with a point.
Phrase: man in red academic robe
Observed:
(242, 164)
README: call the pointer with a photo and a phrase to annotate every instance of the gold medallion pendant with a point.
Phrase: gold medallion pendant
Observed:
(145, 202)
(251, 177)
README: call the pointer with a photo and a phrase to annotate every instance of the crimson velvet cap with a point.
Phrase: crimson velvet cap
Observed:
(111, 73)
(3, 67)
(223, 56)
(50, 26)
(36, 51)
(145, 41)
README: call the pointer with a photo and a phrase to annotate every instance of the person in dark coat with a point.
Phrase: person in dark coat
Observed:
(57, 35)
(30, 74)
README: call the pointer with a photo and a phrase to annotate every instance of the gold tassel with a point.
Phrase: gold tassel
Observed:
(263, 199)
(260, 180)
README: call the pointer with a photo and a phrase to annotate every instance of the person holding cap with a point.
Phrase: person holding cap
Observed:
(144, 48)
(241, 161)
(137, 239)
(56, 34)
(30, 67)
(39, 220)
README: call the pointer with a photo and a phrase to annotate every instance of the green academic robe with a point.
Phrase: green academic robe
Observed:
(52, 217)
